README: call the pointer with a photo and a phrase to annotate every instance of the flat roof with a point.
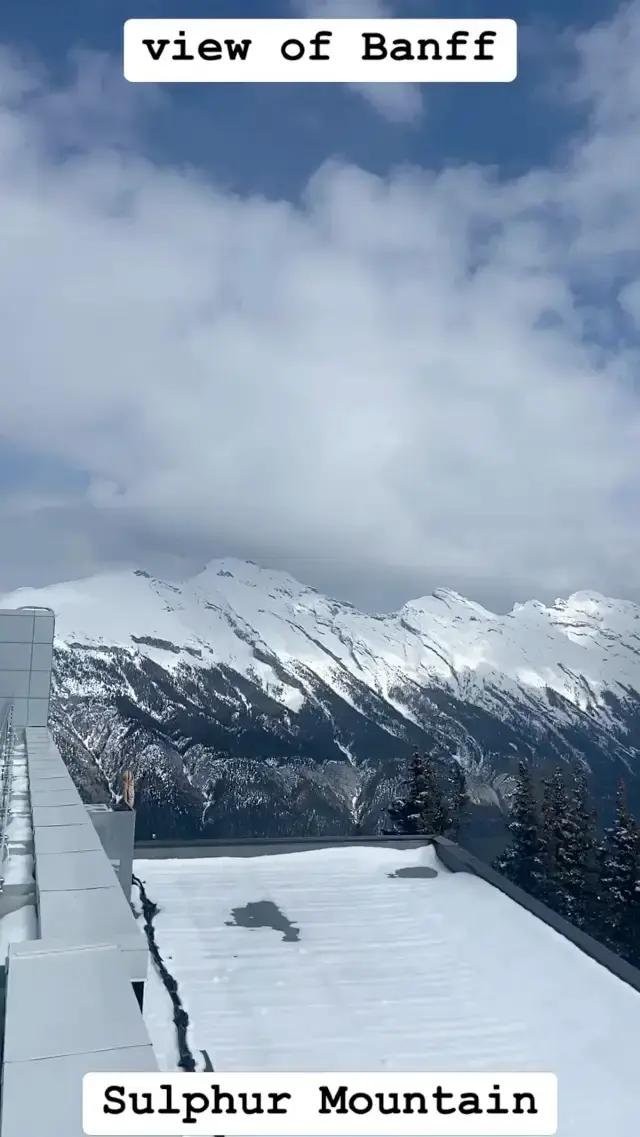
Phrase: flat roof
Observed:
(365, 958)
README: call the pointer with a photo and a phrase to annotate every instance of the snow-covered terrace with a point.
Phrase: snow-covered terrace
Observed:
(380, 958)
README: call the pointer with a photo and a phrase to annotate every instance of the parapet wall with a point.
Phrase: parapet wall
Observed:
(72, 992)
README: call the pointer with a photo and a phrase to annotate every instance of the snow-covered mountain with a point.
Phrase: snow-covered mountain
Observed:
(247, 703)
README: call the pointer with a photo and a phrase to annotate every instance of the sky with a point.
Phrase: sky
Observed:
(384, 337)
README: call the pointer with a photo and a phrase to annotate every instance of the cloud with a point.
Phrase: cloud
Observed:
(400, 103)
(430, 375)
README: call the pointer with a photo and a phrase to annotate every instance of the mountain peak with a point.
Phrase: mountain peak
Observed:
(240, 615)
(227, 675)
(247, 573)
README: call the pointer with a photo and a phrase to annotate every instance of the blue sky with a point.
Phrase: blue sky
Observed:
(270, 139)
(387, 346)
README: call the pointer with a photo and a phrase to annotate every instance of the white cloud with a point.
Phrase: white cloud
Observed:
(396, 377)
(397, 102)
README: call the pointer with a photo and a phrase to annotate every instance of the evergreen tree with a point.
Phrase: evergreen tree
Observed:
(555, 842)
(458, 797)
(433, 808)
(422, 809)
(520, 861)
(403, 812)
(580, 877)
(554, 855)
(619, 883)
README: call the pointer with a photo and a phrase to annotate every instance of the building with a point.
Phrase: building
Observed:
(75, 960)
(371, 953)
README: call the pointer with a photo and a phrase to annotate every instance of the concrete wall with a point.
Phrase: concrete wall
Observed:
(267, 846)
(80, 898)
(73, 994)
(116, 829)
(70, 1009)
(457, 859)
(26, 651)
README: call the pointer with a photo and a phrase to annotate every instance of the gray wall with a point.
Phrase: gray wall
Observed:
(263, 847)
(26, 651)
(116, 829)
(459, 860)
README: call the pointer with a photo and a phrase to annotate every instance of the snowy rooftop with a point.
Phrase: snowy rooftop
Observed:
(347, 958)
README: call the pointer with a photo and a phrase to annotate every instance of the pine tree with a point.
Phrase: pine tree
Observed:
(520, 861)
(554, 855)
(555, 844)
(433, 809)
(458, 797)
(579, 878)
(422, 809)
(403, 812)
(582, 876)
(619, 882)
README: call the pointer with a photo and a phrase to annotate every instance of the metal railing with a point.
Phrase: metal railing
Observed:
(6, 762)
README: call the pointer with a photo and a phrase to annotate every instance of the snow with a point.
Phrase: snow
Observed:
(158, 1015)
(17, 869)
(19, 829)
(389, 973)
(16, 927)
(579, 647)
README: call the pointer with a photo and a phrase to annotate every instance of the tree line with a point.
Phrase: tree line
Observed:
(558, 851)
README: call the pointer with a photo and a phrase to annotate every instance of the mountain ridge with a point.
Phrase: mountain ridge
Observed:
(250, 704)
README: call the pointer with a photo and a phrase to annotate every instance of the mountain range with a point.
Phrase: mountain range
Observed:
(247, 704)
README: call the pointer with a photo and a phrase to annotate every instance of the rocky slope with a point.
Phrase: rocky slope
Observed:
(247, 704)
